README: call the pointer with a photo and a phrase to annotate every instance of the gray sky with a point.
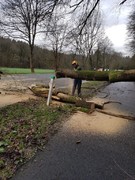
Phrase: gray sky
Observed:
(115, 22)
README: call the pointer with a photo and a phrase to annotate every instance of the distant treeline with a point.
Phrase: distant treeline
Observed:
(16, 54)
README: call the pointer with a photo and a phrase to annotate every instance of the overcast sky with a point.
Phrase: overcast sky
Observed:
(115, 22)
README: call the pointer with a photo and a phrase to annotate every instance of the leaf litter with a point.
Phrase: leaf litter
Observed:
(25, 127)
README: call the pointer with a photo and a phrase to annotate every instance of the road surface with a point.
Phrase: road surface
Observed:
(15, 82)
(90, 147)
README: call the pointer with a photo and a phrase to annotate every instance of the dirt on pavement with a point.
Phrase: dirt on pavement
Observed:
(8, 99)
(13, 91)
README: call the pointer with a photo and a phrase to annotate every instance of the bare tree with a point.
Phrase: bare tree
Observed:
(56, 34)
(23, 19)
(83, 10)
(131, 31)
(92, 31)
(84, 43)
(105, 48)
(87, 8)
(122, 2)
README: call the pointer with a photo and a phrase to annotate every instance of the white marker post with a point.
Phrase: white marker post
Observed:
(50, 90)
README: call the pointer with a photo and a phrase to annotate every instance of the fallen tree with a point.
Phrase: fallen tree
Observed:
(59, 95)
(111, 76)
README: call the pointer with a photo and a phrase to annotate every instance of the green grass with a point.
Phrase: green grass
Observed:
(91, 88)
(25, 71)
(93, 84)
(24, 128)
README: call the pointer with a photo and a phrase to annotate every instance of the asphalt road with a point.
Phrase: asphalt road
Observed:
(90, 147)
(28, 79)
(123, 92)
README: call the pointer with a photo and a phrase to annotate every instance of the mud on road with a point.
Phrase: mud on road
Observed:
(14, 88)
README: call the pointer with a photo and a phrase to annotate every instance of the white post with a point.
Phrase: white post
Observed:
(50, 90)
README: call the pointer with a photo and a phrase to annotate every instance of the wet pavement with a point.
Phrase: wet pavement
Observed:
(90, 146)
(123, 95)
(21, 82)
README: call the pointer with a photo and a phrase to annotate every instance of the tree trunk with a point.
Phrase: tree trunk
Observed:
(62, 97)
(31, 59)
(84, 75)
(116, 76)
(67, 98)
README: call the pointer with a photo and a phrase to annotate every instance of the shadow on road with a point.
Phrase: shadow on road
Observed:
(93, 146)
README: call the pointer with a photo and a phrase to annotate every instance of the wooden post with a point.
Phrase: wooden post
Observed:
(50, 90)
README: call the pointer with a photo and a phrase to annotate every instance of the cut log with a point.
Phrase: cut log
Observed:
(67, 98)
(62, 97)
(76, 100)
(39, 91)
(42, 92)
(84, 104)
(115, 76)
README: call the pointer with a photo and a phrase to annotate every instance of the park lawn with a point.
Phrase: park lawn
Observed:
(6, 70)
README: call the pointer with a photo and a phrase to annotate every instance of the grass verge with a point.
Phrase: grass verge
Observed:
(25, 71)
(24, 128)
(91, 88)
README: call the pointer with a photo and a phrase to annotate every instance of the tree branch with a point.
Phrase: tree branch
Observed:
(123, 2)
(85, 21)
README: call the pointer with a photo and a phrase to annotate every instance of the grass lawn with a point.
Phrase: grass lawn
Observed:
(24, 71)
(25, 128)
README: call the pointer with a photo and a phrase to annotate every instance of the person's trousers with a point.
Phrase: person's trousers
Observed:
(77, 84)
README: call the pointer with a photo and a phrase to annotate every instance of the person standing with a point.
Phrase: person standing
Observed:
(77, 82)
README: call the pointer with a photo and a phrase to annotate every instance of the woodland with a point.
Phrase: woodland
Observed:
(16, 54)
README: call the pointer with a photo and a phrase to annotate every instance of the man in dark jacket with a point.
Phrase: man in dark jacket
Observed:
(77, 82)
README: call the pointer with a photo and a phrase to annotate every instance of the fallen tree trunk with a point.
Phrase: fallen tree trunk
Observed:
(84, 75)
(42, 91)
(58, 95)
(115, 76)
(67, 98)
(85, 104)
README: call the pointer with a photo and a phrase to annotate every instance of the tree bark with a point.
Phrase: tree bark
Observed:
(116, 76)
(67, 98)
(57, 95)
(31, 59)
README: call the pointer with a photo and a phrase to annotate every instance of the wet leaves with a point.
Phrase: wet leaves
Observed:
(24, 128)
